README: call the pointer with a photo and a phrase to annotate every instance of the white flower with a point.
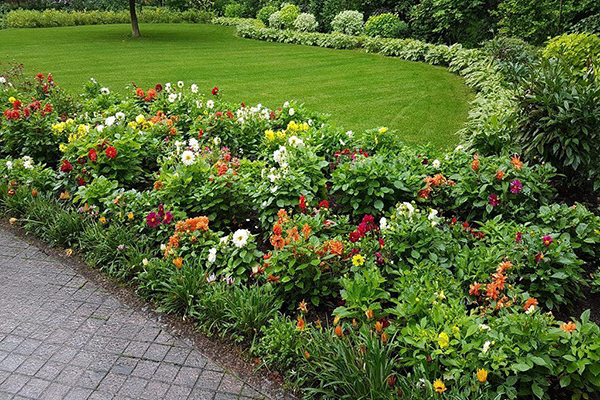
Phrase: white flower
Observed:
(436, 164)
(280, 156)
(292, 112)
(120, 115)
(180, 84)
(212, 255)
(93, 80)
(140, 119)
(459, 147)
(217, 141)
(210, 104)
(198, 104)
(286, 104)
(295, 141)
(530, 310)
(145, 262)
(407, 209)
(432, 214)
(349, 134)
(188, 157)
(274, 189)
(486, 346)
(105, 90)
(211, 278)
(194, 88)
(172, 97)
(110, 121)
(240, 237)
(484, 327)
(194, 144)
(168, 87)
(100, 128)
(224, 240)
(163, 247)
(9, 164)
(383, 224)
(27, 163)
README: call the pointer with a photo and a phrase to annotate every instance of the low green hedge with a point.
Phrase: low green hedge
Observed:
(55, 18)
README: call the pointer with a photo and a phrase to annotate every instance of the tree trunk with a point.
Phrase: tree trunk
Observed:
(135, 28)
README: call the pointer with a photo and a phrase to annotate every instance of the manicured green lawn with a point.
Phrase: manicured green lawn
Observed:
(422, 103)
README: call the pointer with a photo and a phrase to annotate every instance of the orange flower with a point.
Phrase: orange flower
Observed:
(34, 193)
(306, 230)
(339, 332)
(492, 291)
(516, 162)
(475, 164)
(158, 185)
(282, 216)
(278, 242)
(531, 302)
(178, 262)
(568, 327)
(272, 278)
(277, 230)
(384, 337)
(378, 326)
(500, 175)
(293, 234)
(300, 324)
(306, 355)
(504, 266)
(474, 289)
(335, 246)
(369, 313)
(303, 307)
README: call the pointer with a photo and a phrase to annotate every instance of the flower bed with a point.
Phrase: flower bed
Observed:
(440, 270)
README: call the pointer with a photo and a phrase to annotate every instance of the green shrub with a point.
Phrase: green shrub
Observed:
(531, 20)
(306, 23)
(590, 24)
(561, 124)
(578, 50)
(288, 15)
(385, 25)
(348, 23)
(234, 10)
(265, 13)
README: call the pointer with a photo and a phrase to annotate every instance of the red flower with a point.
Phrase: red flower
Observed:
(215, 91)
(140, 92)
(39, 76)
(547, 241)
(48, 108)
(81, 181)
(66, 166)
(303, 203)
(354, 237)
(111, 152)
(92, 155)
(16, 105)
(26, 111)
(519, 237)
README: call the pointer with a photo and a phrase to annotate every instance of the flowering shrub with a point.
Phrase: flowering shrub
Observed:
(348, 22)
(306, 22)
(441, 269)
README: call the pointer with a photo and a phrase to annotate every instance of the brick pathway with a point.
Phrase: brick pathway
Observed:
(64, 337)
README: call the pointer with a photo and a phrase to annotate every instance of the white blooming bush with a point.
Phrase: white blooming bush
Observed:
(348, 22)
(306, 22)
(445, 264)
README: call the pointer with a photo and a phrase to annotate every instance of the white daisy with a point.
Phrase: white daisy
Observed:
(240, 237)
(295, 141)
(194, 88)
(172, 97)
(9, 164)
(110, 121)
(105, 90)
(2, 80)
(210, 104)
(194, 145)
(436, 164)
(292, 112)
(168, 87)
(180, 84)
(120, 115)
(188, 157)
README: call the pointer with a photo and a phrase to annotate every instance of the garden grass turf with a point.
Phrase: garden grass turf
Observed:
(422, 103)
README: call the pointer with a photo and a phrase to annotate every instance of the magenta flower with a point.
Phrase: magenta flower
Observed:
(547, 240)
(152, 220)
(493, 200)
(519, 237)
(539, 257)
(516, 186)
(167, 218)
(161, 210)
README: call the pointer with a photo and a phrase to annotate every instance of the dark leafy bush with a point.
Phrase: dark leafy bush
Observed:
(561, 123)
(265, 13)
(386, 25)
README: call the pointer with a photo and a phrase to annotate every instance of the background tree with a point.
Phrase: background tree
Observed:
(135, 28)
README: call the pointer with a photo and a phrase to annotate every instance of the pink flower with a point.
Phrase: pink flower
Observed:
(519, 237)
(547, 241)
(167, 218)
(493, 200)
(152, 220)
(516, 186)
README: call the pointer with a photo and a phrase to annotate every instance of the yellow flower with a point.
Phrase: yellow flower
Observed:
(336, 320)
(140, 119)
(456, 331)
(130, 215)
(62, 147)
(102, 220)
(382, 130)
(58, 128)
(439, 386)
(280, 135)
(11, 99)
(133, 124)
(443, 340)
(270, 135)
(482, 375)
(358, 260)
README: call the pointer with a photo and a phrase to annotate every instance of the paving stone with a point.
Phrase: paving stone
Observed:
(64, 337)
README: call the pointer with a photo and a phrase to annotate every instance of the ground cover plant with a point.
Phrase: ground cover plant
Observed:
(359, 267)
